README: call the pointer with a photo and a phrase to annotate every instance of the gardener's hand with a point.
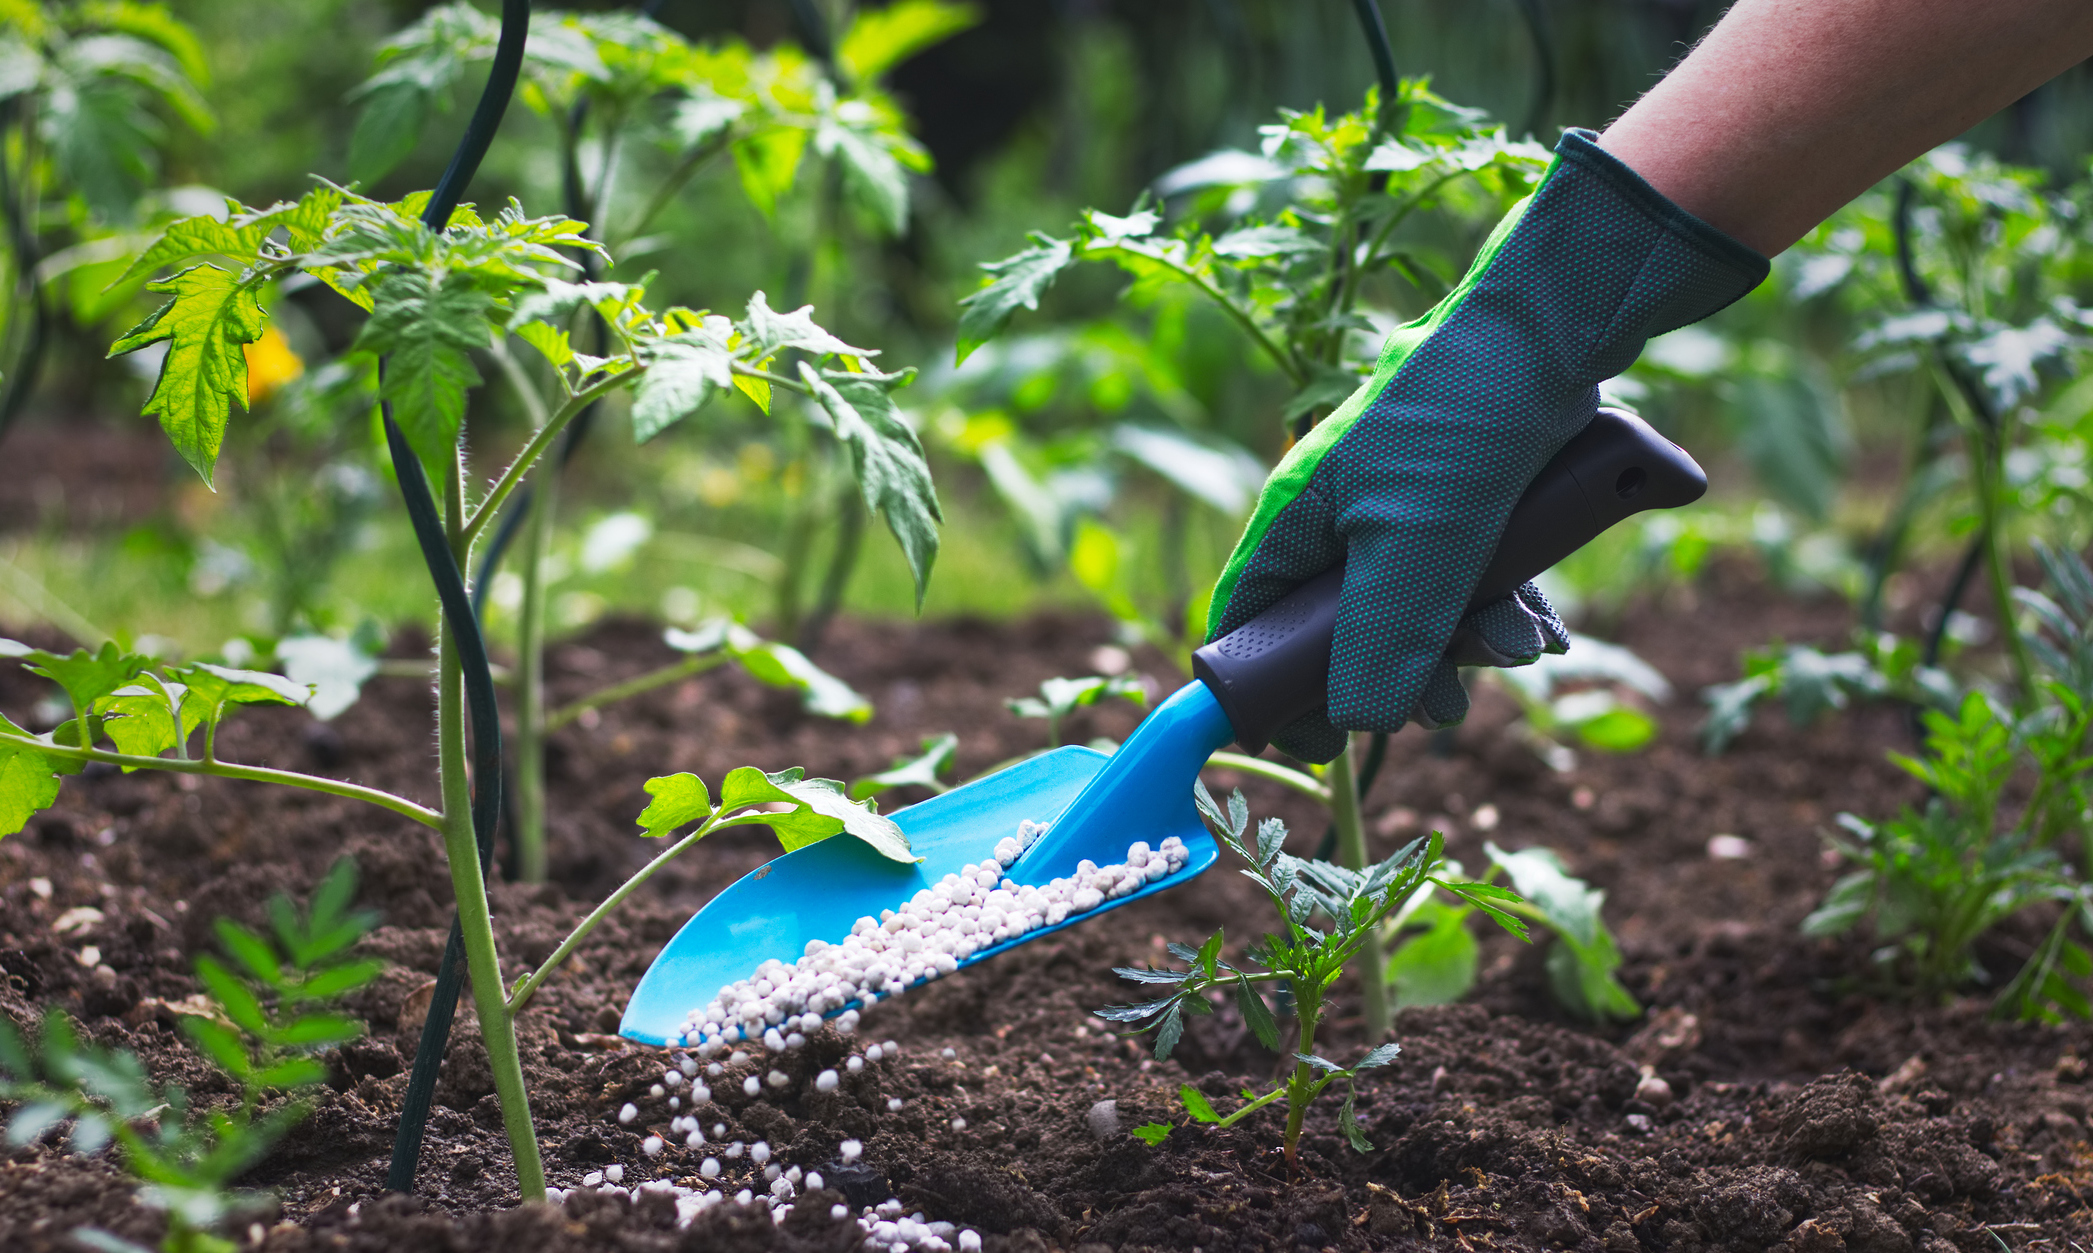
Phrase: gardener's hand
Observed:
(1411, 480)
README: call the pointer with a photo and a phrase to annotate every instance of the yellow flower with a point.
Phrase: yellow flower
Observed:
(270, 364)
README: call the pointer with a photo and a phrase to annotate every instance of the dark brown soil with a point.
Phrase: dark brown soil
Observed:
(1810, 1115)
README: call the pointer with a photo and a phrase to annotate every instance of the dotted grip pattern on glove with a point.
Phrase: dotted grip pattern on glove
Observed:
(1411, 480)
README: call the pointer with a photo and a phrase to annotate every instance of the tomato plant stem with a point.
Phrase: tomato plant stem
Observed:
(1351, 854)
(231, 770)
(530, 686)
(1301, 1087)
(461, 848)
(534, 451)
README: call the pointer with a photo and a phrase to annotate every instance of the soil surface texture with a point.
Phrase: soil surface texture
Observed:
(1771, 1098)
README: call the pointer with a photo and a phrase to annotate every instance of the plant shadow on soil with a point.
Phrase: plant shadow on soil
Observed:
(1808, 1116)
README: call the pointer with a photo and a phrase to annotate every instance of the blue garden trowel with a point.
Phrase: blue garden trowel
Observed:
(1250, 683)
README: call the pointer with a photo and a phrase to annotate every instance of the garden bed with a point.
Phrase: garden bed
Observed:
(1806, 1112)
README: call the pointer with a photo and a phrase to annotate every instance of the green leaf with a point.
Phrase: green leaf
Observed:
(1845, 905)
(1437, 966)
(887, 459)
(819, 810)
(1581, 967)
(781, 665)
(1348, 1122)
(1209, 954)
(1171, 1028)
(678, 800)
(1018, 283)
(86, 677)
(919, 771)
(551, 342)
(880, 39)
(233, 996)
(1381, 1056)
(251, 951)
(768, 161)
(1271, 837)
(102, 139)
(316, 1031)
(291, 1073)
(684, 372)
(334, 669)
(1196, 1103)
(338, 980)
(197, 237)
(207, 324)
(1256, 1015)
(221, 1044)
(1153, 1134)
(871, 167)
(213, 689)
(426, 328)
(387, 129)
(1622, 729)
(141, 719)
(28, 781)
(35, 1118)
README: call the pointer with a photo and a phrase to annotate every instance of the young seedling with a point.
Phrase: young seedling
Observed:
(1305, 959)
(921, 770)
(1059, 698)
(268, 1019)
(1932, 882)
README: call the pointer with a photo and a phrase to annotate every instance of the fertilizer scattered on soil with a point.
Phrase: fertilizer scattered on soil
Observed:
(927, 938)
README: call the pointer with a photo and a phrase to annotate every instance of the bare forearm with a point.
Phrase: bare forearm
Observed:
(1791, 108)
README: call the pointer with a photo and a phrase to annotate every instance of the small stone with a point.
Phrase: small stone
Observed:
(1639, 1124)
(1654, 1091)
(1728, 847)
(1104, 1119)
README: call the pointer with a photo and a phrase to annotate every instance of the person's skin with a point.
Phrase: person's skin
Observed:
(1790, 108)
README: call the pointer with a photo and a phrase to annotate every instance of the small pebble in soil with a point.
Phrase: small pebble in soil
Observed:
(695, 1140)
(1639, 1124)
(941, 926)
(627, 1113)
(715, 1070)
(1104, 1119)
(1728, 848)
(949, 1055)
(771, 1172)
(593, 1179)
(826, 1081)
(1654, 1091)
(675, 1102)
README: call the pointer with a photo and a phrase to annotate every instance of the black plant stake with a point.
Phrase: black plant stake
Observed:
(457, 615)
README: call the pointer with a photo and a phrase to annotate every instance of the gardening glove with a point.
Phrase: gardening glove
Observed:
(1410, 481)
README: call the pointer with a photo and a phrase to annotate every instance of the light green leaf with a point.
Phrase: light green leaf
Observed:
(334, 669)
(1196, 1103)
(768, 161)
(1208, 468)
(1437, 966)
(551, 342)
(781, 665)
(426, 328)
(28, 782)
(820, 809)
(210, 319)
(1018, 283)
(880, 39)
(213, 688)
(678, 800)
(86, 677)
(887, 458)
(872, 168)
(1153, 1134)
(765, 331)
(142, 719)
(918, 771)
(389, 127)
(1581, 967)
(684, 372)
(197, 237)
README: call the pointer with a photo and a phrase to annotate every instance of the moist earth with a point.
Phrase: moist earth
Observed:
(1801, 1108)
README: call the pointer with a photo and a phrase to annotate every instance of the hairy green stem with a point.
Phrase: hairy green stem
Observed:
(685, 169)
(461, 849)
(533, 451)
(634, 686)
(1306, 784)
(230, 770)
(1242, 317)
(1351, 853)
(1301, 1087)
(520, 998)
(530, 687)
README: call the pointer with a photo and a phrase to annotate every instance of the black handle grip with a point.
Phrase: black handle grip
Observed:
(1276, 667)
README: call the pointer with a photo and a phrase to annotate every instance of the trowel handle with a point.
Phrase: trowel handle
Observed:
(1276, 667)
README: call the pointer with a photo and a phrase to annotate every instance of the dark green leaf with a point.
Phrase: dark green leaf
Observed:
(1348, 1122)
(1256, 1015)
(1171, 1029)
(1321, 1063)
(1149, 974)
(233, 996)
(1018, 283)
(207, 325)
(251, 951)
(1209, 954)
(1271, 837)
(387, 129)
(887, 459)
(1438, 965)
(426, 328)
(1381, 1056)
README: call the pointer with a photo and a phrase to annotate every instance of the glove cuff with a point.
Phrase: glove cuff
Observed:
(1581, 147)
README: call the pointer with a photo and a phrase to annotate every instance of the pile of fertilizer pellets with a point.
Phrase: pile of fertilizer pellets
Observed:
(926, 938)
(886, 1228)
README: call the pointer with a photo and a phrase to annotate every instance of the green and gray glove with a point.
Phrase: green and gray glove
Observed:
(1411, 480)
